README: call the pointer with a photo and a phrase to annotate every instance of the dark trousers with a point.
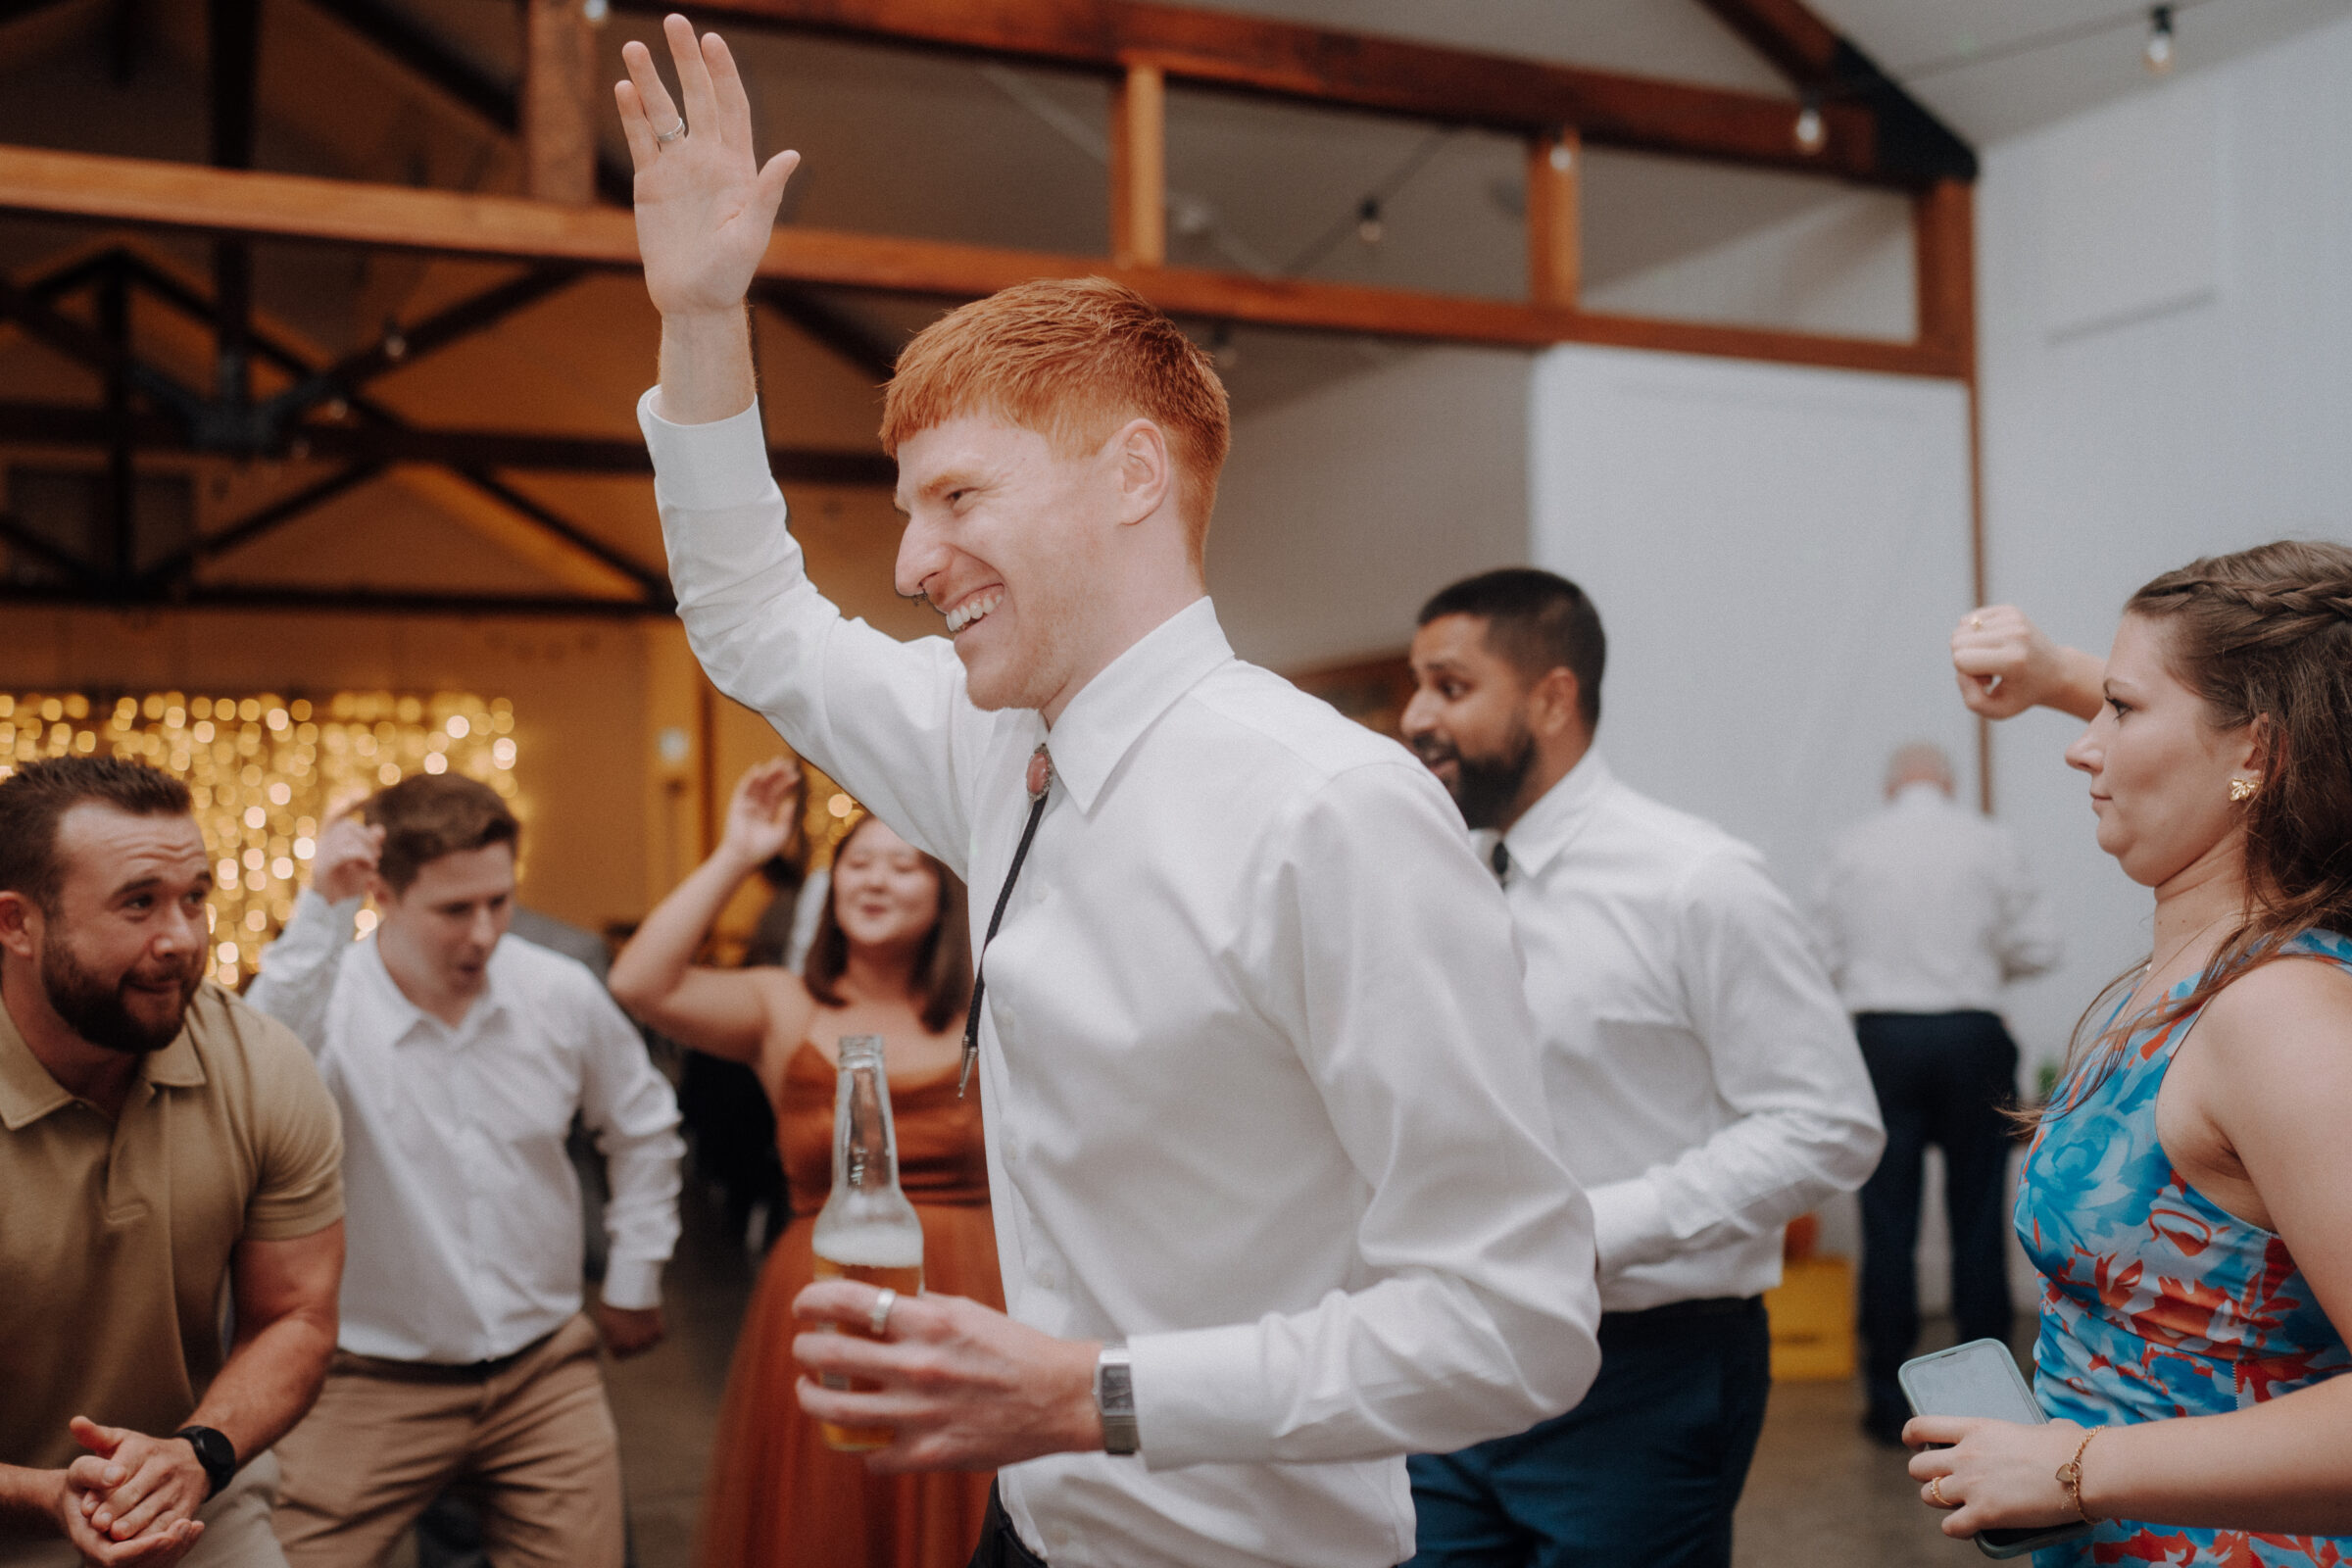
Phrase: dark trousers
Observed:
(1647, 1470)
(999, 1543)
(1943, 1079)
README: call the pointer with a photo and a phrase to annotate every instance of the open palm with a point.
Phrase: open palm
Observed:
(705, 205)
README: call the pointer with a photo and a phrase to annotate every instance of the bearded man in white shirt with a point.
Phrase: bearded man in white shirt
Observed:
(1271, 1200)
(1702, 1080)
(459, 1056)
(1926, 911)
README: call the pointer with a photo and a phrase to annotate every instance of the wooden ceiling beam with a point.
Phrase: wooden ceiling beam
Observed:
(1349, 70)
(339, 212)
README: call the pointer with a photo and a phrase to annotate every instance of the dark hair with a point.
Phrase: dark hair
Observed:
(35, 798)
(431, 815)
(2265, 638)
(1537, 621)
(942, 960)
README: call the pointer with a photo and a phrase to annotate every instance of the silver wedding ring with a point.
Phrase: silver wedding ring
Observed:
(877, 1316)
(665, 137)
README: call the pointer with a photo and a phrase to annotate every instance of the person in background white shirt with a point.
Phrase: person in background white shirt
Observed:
(1701, 1077)
(1926, 910)
(1273, 1200)
(458, 1055)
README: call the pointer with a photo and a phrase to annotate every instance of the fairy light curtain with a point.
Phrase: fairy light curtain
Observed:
(267, 772)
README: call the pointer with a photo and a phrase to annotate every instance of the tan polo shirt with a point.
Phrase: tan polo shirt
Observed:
(116, 1236)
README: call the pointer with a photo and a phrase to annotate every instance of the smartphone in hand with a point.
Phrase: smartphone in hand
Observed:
(1981, 1378)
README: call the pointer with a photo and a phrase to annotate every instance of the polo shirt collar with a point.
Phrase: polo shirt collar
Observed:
(27, 1093)
(1106, 718)
(1553, 823)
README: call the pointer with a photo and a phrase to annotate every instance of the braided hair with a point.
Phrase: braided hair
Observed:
(2264, 637)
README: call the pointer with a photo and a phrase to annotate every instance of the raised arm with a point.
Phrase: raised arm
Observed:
(2006, 665)
(726, 1013)
(299, 969)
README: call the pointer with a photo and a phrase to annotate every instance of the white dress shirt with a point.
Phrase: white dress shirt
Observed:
(1260, 1090)
(1926, 907)
(1703, 1080)
(464, 1235)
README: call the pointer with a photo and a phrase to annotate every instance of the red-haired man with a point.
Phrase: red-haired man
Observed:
(1271, 1172)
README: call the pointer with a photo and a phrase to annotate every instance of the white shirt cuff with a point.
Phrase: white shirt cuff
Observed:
(1200, 1397)
(632, 1285)
(702, 468)
(1629, 1225)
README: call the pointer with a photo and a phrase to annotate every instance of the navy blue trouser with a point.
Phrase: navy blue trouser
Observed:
(1645, 1471)
(1943, 1079)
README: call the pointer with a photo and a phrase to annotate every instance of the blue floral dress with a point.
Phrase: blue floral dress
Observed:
(2157, 1302)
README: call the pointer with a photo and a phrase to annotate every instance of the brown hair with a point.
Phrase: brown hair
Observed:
(35, 798)
(1071, 359)
(2264, 637)
(427, 815)
(942, 982)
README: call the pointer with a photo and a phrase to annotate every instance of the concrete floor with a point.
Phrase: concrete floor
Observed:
(1820, 1495)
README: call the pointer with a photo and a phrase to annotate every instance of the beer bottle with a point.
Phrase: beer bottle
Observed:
(867, 1231)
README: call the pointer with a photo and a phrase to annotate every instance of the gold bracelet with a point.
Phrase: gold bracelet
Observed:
(2069, 1475)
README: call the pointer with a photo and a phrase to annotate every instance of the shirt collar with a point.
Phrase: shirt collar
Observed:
(1553, 823)
(403, 1016)
(27, 1093)
(1110, 713)
(1920, 795)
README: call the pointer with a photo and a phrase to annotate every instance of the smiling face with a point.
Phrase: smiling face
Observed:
(437, 935)
(1468, 720)
(121, 949)
(1004, 536)
(885, 894)
(2159, 770)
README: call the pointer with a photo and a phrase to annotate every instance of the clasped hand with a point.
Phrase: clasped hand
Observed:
(131, 1501)
(961, 1387)
(1994, 1474)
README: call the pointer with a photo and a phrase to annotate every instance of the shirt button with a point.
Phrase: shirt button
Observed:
(1048, 1277)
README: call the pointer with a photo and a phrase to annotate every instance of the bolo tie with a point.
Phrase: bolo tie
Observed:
(1040, 780)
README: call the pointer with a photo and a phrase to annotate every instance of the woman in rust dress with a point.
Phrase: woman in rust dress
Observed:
(892, 957)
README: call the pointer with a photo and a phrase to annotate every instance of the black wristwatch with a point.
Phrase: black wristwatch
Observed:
(214, 1453)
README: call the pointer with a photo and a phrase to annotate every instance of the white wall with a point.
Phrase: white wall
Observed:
(1343, 508)
(2166, 319)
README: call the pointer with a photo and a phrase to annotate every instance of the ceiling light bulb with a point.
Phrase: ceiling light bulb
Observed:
(1811, 133)
(595, 12)
(2157, 55)
(1368, 226)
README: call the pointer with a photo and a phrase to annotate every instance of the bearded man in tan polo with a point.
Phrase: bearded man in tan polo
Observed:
(163, 1148)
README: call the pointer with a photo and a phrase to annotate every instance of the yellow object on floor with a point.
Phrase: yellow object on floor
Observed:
(1812, 1314)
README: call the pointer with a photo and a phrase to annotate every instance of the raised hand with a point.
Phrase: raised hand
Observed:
(705, 205)
(2006, 665)
(765, 811)
(346, 859)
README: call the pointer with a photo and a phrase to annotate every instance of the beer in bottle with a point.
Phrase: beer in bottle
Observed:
(867, 1231)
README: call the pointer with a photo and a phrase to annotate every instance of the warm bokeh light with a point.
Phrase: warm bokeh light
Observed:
(268, 774)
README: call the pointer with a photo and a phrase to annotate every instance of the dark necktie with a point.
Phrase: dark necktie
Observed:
(1040, 781)
(1501, 860)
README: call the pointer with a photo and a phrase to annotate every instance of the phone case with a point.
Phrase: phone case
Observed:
(2021, 1542)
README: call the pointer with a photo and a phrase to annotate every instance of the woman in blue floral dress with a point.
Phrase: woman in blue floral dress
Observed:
(2188, 1197)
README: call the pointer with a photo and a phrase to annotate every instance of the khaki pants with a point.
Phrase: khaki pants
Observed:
(236, 1530)
(532, 1443)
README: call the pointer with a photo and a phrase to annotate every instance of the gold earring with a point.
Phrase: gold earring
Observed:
(2243, 790)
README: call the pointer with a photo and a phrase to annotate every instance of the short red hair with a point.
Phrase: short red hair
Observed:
(1072, 359)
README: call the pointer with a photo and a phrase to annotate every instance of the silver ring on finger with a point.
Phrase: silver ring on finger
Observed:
(877, 1316)
(665, 137)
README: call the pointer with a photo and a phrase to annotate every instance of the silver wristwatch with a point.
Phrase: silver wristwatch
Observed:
(1114, 1400)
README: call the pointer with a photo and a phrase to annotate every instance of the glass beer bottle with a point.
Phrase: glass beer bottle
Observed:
(867, 1231)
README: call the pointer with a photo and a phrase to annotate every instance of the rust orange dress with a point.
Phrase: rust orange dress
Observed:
(778, 1498)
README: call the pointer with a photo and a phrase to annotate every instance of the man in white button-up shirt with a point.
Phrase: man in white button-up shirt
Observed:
(1260, 1091)
(1702, 1080)
(1926, 911)
(459, 1056)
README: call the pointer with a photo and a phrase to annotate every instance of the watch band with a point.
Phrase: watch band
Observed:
(1114, 1400)
(214, 1453)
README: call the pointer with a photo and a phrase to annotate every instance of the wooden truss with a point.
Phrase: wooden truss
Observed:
(1872, 133)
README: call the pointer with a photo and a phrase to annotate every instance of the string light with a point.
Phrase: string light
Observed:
(1369, 229)
(2157, 53)
(265, 774)
(1810, 133)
